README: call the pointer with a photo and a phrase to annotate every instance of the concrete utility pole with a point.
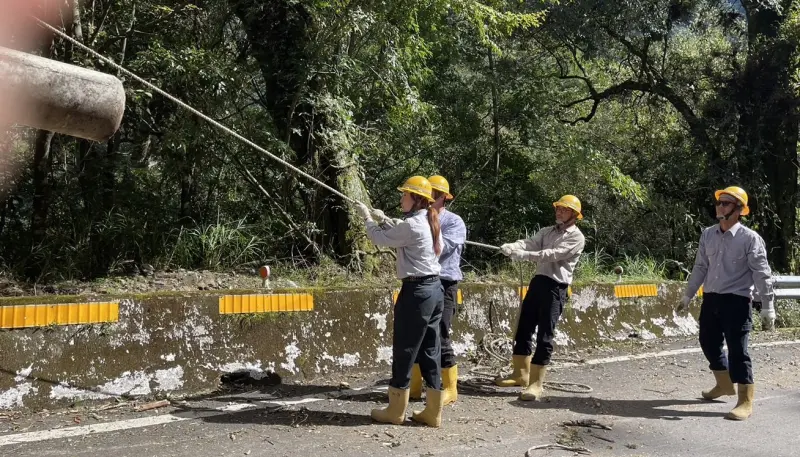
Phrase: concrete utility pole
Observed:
(55, 96)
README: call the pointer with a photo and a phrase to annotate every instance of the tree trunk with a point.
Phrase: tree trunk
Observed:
(188, 187)
(42, 161)
(495, 113)
(768, 131)
(281, 35)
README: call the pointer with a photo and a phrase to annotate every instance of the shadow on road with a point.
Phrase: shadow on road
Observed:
(645, 409)
(297, 416)
(295, 392)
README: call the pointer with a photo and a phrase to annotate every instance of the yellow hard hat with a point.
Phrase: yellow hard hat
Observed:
(737, 193)
(417, 185)
(441, 184)
(571, 202)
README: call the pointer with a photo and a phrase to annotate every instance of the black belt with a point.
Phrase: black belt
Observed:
(420, 278)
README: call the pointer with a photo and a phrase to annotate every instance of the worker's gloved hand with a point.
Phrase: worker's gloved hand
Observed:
(683, 306)
(508, 248)
(768, 319)
(380, 217)
(363, 211)
(517, 254)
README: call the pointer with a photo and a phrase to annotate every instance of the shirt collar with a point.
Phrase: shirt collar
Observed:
(569, 229)
(414, 213)
(734, 230)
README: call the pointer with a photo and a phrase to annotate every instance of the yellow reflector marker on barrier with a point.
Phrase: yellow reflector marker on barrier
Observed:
(636, 290)
(23, 316)
(265, 303)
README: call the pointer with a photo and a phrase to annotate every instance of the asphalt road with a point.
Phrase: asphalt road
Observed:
(649, 395)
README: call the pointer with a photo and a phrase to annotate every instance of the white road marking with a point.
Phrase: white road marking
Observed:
(82, 430)
(292, 402)
(652, 355)
(31, 437)
(236, 407)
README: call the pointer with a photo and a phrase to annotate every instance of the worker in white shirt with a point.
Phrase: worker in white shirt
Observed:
(419, 306)
(731, 260)
(556, 250)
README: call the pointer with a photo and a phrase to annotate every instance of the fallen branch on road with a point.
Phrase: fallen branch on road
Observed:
(578, 450)
(112, 406)
(153, 405)
(594, 435)
(587, 423)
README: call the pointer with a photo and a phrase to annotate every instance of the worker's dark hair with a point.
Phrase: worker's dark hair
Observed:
(421, 202)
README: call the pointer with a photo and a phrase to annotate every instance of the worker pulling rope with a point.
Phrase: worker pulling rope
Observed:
(213, 122)
(492, 342)
(493, 358)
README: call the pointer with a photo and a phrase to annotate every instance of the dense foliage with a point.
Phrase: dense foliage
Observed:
(640, 107)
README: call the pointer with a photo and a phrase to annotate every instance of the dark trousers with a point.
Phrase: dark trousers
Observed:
(542, 308)
(450, 300)
(727, 318)
(417, 316)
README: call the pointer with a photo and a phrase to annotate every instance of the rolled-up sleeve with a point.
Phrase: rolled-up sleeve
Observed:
(762, 273)
(396, 236)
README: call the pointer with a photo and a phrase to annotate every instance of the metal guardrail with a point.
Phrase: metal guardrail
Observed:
(786, 287)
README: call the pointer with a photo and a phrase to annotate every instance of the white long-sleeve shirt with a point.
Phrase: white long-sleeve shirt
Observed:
(556, 252)
(414, 242)
(732, 262)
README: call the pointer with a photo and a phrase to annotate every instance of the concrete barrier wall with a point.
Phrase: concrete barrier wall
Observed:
(151, 346)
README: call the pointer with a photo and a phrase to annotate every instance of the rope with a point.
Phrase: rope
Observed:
(211, 121)
(481, 245)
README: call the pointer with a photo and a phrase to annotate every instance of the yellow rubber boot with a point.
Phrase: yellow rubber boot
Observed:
(535, 389)
(744, 408)
(724, 386)
(415, 387)
(432, 414)
(395, 413)
(450, 384)
(519, 377)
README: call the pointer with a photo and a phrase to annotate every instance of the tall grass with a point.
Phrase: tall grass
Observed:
(600, 267)
(216, 246)
(593, 264)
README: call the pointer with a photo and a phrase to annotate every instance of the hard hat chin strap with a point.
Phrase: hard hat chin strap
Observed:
(727, 216)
